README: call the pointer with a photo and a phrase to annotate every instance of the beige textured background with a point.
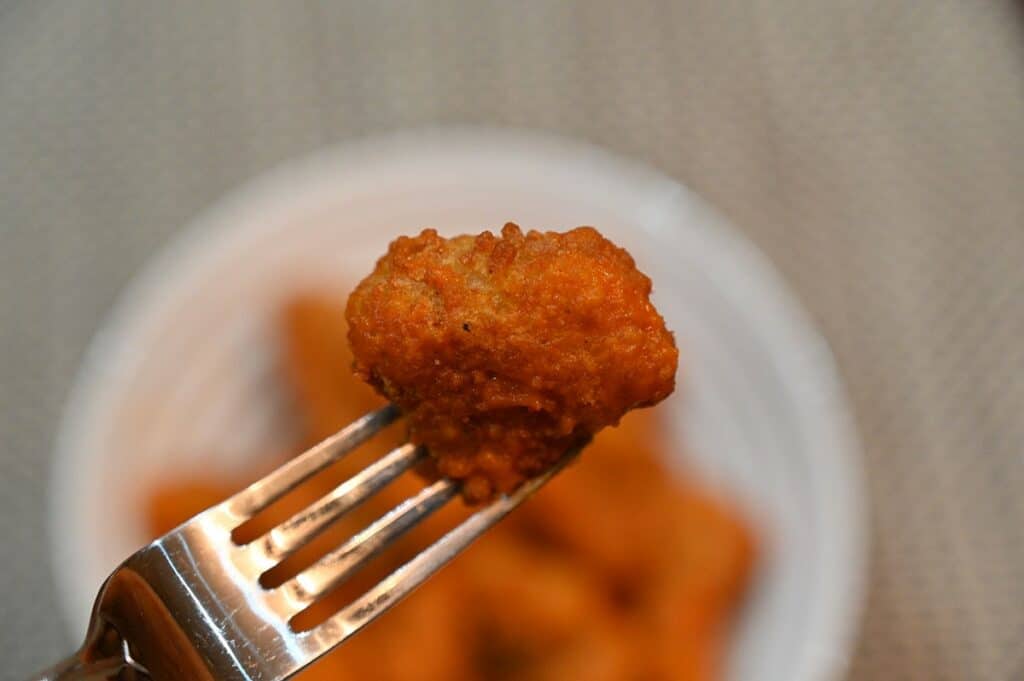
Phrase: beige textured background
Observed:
(873, 148)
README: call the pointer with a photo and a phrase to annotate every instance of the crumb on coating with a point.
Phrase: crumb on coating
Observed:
(506, 351)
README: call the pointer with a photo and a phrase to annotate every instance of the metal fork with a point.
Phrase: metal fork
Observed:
(190, 605)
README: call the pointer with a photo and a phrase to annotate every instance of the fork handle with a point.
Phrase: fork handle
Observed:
(75, 668)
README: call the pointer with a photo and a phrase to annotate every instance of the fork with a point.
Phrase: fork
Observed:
(190, 605)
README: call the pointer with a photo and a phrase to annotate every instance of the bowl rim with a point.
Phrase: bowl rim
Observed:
(216, 226)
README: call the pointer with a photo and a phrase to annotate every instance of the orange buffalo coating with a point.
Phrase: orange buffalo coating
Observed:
(506, 351)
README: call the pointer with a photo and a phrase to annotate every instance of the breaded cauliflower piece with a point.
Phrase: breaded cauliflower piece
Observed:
(506, 351)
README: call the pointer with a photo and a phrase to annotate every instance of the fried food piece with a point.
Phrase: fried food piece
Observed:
(614, 507)
(546, 598)
(677, 564)
(538, 614)
(506, 351)
(683, 614)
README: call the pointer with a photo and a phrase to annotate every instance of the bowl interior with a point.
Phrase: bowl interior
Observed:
(182, 374)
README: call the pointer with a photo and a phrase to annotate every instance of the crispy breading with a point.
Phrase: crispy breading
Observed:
(506, 351)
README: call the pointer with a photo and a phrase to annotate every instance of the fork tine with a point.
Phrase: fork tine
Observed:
(339, 564)
(294, 533)
(273, 486)
(399, 583)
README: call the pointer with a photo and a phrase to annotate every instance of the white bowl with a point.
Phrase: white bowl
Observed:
(180, 374)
